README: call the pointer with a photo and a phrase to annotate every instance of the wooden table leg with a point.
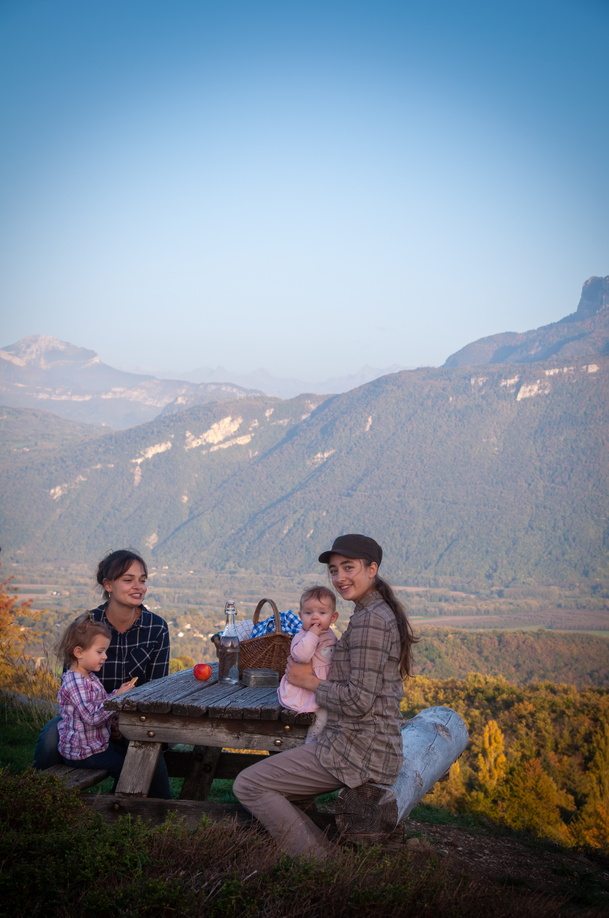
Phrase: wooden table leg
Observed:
(197, 783)
(140, 763)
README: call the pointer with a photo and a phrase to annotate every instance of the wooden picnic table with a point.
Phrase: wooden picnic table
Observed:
(225, 728)
(208, 716)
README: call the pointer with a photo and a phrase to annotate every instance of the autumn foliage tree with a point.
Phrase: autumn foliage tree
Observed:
(492, 761)
(450, 793)
(538, 759)
(18, 671)
(533, 802)
(592, 827)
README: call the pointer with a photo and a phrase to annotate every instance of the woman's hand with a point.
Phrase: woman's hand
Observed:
(301, 675)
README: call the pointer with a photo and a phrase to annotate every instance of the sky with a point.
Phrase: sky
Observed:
(305, 187)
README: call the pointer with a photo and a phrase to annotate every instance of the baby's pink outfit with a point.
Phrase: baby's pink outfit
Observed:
(307, 646)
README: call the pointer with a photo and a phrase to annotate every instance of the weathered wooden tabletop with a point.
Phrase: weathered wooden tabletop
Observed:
(180, 709)
(183, 695)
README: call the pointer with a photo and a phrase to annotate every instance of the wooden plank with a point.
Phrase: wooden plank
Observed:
(160, 693)
(77, 778)
(291, 717)
(138, 769)
(196, 703)
(203, 731)
(198, 781)
(191, 812)
(156, 811)
(259, 703)
(183, 695)
(148, 693)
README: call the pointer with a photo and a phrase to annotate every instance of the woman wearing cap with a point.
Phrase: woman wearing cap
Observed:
(362, 740)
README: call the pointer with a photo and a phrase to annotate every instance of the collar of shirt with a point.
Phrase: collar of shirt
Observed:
(138, 623)
(368, 599)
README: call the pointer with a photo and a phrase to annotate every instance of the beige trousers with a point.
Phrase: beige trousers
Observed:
(267, 788)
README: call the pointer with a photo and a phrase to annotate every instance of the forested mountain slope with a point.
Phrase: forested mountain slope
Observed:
(492, 477)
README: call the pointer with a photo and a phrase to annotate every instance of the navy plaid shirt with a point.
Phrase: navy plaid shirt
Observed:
(142, 651)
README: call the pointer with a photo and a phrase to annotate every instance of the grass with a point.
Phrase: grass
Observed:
(59, 858)
(20, 724)
(437, 816)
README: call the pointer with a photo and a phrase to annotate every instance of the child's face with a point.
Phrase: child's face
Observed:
(317, 615)
(93, 658)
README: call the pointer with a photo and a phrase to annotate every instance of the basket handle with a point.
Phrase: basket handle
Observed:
(273, 605)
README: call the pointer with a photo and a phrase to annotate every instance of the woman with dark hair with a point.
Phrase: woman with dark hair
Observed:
(140, 639)
(139, 642)
(362, 740)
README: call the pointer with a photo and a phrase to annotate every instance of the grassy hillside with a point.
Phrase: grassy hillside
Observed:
(58, 857)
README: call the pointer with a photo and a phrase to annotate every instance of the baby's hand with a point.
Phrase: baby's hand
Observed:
(316, 628)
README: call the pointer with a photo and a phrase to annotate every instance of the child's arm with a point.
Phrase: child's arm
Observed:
(303, 646)
(88, 705)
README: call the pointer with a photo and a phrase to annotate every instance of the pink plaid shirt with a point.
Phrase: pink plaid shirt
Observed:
(84, 728)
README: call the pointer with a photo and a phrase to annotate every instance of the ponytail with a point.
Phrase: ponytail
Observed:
(407, 638)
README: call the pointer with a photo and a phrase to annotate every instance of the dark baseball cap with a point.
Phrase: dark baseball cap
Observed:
(354, 545)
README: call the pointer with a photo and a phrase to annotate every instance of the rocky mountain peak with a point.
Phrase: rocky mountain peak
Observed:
(44, 351)
(594, 298)
(582, 334)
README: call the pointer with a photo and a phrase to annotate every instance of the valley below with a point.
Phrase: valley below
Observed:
(523, 634)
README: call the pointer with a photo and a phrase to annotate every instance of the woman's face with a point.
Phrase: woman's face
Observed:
(130, 588)
(352, 577)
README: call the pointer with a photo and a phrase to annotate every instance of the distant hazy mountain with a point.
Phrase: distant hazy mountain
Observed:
(72, 382)
(486, 476)
(489, 478)
(288, 388)
(584, 333)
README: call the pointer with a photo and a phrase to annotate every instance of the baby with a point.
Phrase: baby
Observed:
(315, 644)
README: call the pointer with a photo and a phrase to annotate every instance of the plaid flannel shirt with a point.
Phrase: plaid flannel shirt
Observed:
(362, 739)
(142, 650)
(84, 728)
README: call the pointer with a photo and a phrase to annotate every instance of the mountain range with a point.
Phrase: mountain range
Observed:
(487, 475)
(287, 387)
(72, 382)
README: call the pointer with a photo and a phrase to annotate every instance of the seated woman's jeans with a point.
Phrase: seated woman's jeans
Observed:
(46, 753)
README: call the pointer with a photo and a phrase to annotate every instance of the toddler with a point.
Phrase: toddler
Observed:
(315, 644)
(84, 728)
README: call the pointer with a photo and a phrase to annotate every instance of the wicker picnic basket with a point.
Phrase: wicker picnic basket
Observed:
(269, 651)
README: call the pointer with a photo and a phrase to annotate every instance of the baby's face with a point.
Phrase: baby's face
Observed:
(318, 615)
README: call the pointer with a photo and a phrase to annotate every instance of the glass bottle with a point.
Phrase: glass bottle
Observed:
(228, 657)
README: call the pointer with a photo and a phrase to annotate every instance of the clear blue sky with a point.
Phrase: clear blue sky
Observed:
(303, 186)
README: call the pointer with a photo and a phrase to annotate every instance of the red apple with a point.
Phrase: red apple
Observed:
(202, 671)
